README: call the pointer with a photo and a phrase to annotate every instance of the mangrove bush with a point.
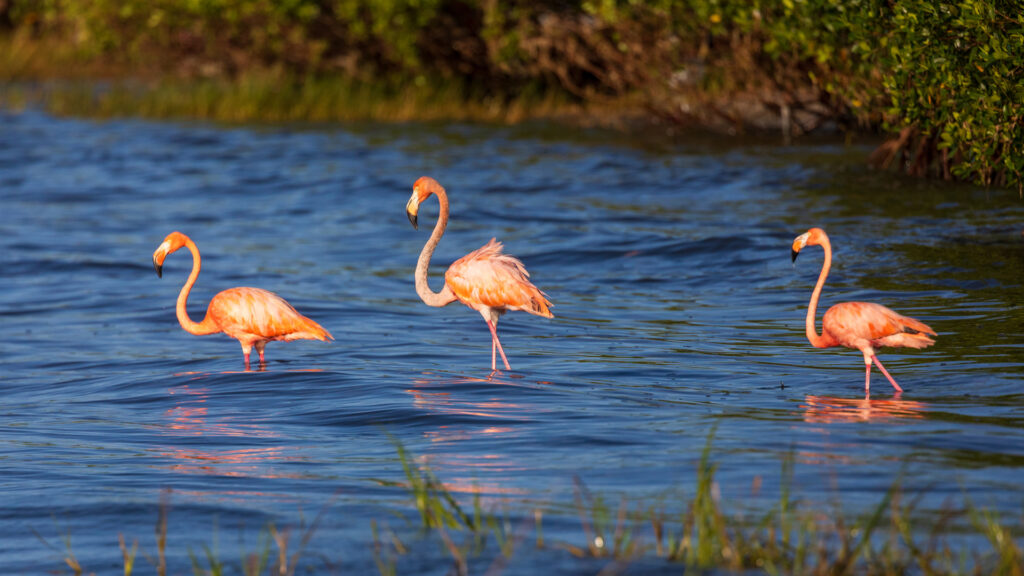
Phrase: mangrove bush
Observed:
(943, 78)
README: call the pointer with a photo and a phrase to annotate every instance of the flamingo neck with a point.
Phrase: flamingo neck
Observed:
(445, 296)
(819, 341)
(207, 326)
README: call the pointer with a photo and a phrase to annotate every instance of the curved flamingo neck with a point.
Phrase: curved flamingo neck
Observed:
(207, 326)
(445, 296)
(823, 340)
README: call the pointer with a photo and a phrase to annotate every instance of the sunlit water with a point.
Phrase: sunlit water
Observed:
(676, 310)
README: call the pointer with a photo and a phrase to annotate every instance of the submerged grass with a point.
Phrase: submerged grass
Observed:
(792, 537)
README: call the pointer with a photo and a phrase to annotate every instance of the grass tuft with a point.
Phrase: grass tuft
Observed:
(791, 538)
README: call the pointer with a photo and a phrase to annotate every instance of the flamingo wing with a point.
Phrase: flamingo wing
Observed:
(489, 278)
(853, 322)
(262, 315)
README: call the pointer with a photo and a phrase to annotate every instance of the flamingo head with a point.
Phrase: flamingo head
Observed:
(421, 190)
(812, 237)
(174, 241)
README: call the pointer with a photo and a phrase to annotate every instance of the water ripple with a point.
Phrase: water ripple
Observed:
(677, 307)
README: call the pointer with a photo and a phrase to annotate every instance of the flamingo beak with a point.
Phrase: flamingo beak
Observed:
(798, 243)
(158, 259)
(412, 209)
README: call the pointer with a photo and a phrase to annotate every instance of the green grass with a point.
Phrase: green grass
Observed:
(698, 532)
(793, 537)
(273, 97)
(943, 80)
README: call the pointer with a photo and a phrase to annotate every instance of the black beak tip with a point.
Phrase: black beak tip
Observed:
(159, 270)
(794, 254)
(413, 220)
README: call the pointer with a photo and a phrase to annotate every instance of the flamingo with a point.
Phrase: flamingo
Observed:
(486, 280)
(860, 325)
(253, 316)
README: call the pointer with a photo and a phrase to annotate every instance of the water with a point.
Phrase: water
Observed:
(677, 310)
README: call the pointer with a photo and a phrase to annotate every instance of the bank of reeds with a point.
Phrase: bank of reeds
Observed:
(700, 532)
(275, 97)
(943, 80)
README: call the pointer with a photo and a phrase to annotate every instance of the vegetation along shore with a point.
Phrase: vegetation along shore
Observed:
(943, 81)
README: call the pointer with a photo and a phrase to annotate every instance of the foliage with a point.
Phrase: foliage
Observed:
(956, 78)
(944, 77)
(947, 77)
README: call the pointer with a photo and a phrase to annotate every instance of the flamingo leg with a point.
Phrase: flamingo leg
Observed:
(246, 349)
(867, 378)
(494, 350)
(259, 348)
(886, 372)
(496, 342)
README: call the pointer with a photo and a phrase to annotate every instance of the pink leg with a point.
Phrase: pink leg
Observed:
(886, 372)
(246, 349)
(495, 341)
(867, 378)
(494, 350)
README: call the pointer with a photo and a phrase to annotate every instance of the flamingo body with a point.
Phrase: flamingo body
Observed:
(255, 315)
(487, 280)
(854, 324)
(861, 326)
(252, 316)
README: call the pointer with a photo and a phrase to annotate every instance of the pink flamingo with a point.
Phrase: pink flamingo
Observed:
(860, 325)
(486, 280)
(251, 315)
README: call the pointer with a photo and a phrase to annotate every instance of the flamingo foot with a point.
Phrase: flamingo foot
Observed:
(886, 372)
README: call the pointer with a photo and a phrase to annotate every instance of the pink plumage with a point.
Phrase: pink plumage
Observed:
(852, 323)
(860, 325)
(252, 316)
(487, 280)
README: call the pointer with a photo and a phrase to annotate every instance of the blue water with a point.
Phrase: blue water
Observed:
(677, 311)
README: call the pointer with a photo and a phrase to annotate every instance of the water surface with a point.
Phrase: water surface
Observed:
(676, 310)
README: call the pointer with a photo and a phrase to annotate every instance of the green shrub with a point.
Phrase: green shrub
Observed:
(944, 77)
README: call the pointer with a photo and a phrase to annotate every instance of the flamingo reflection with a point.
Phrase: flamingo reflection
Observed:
(191, 417)
(832, 409)
(466, 469)
(826, 410)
